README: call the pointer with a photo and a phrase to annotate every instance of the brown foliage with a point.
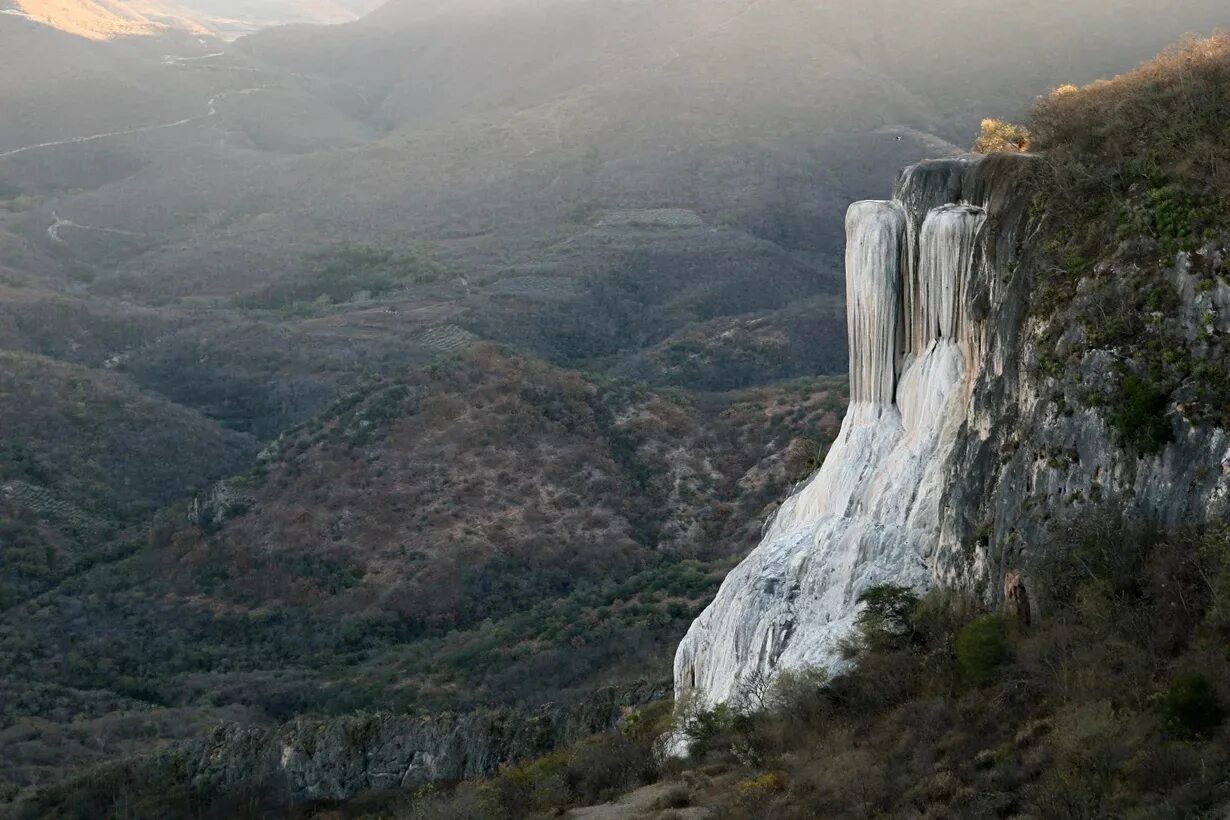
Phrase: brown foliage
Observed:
(998, 137)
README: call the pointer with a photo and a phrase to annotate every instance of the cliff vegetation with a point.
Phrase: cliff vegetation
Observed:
(1136, 194)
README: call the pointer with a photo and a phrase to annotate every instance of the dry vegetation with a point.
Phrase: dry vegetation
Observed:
(1136, 192)
(473, 488)
(108, 19)
(85, 18)
(1108, 702)
(490, 530)
(999, 137)
(84, 456)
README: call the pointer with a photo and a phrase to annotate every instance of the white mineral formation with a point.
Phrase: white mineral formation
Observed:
(872, 513)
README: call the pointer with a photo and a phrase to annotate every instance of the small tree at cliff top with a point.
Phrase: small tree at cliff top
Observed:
(998, 137)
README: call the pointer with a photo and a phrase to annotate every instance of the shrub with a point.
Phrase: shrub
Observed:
(982, 647)
(603, 765)
(767, 783)
(676, 797)
(886, 618)
(998, 137)
(645, 724)
(703, 727)
(1191, 705)
(798, 691)
(1139, 416)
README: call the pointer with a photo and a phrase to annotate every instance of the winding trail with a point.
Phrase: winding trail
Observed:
(205, 62)
(212, 112)
(171, 59)
(60, 222)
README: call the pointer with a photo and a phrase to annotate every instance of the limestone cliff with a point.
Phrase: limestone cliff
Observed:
(956, 453)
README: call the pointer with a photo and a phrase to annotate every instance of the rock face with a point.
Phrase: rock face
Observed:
(222, 502)
(344, 757)
(945, 468)
(341, 758)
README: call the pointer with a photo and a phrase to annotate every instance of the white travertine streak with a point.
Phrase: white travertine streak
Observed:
(874, 234)
(871, 515)
(946, 253)
(920, 189)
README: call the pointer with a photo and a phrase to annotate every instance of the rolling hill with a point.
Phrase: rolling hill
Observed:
(109, 19)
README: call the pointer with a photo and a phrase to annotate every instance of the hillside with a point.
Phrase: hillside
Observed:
(436, 540)
(83, 456)
(109, 19)
(514, 169)
(85, 18)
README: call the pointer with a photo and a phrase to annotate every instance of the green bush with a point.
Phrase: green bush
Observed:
(601, 766)
(1192, 706)
(531, 786)
(677, 797)
(704, 727)
(982, 647)
(886, 618)
(1139, 415)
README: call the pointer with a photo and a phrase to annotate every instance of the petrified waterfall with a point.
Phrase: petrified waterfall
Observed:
(872, 513)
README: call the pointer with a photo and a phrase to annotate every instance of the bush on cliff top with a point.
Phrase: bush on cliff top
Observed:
(998, 137)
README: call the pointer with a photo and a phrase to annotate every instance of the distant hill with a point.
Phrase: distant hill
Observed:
(494, 128)
(108, 19)
(101, 20)
(387, 554)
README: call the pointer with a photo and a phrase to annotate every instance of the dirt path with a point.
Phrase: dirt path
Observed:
(54, 230)
(212, 105)
(638, 805)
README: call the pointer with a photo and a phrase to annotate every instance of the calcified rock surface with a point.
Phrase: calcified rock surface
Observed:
(946, 453)
(871, 514)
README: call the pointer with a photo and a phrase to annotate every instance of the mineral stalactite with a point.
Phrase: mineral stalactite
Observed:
(872, 512)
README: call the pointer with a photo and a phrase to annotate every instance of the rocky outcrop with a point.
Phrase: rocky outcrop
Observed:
(956, 455)
(339, 758)
(342, 757)
(222, 502)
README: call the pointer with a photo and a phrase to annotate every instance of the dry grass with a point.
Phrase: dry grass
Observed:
(1138, 176)
(1165, 122)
